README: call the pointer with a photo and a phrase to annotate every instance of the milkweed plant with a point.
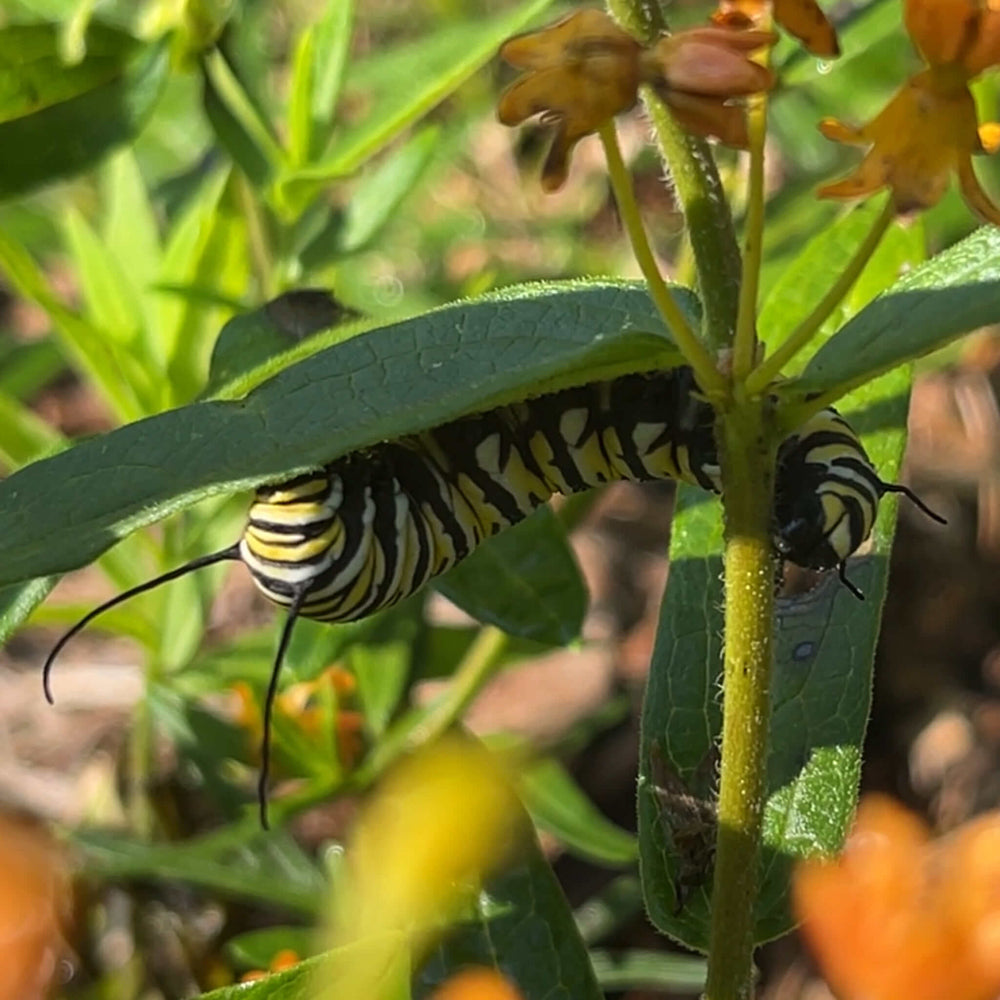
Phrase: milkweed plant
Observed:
(223, 214)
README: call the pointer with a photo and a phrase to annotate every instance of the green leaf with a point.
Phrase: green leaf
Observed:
(239, 124)
(111, 301)
(61, 513)
(558, 806)
(807, 278)
(56, 120)
(532, 938)
(23, 435)
(268, 867)
(432, 68)
(130, 232)
(525, 581)
(300, 122)
(956, 291)
(333, 41)
(34, 75)
(208, 246)
(256, 949)
(26, 368)
(105, 363)
(300, 982)
(19, 600)
(380, 192)
(382, 665)
(658, 971)
(252, 338)
(821, 692)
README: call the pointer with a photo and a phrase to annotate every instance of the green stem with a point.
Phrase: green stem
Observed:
(641, 18)
(478, 666)
(745, 341)
(698, 189)
(748, 463)
(770, 368)
(710, 381)
(480, 662)
(258, 243)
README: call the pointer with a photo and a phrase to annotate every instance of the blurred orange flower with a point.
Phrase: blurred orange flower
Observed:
(900, 915)
(802, 19)
(36, 897)
(583, 70)
(477, 984)
(957, 36)
(306, 705)
(929, 129)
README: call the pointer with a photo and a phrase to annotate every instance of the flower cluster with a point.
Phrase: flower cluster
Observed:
(583, 70)
(930, 129)
(901, 915)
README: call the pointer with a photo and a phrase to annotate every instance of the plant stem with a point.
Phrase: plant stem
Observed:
(699, 191)
(762, 376)
(641, 18)
(748, 464)
(745, 341)
(480, 662)
(257, 240)
(710, 381)
(697, 187)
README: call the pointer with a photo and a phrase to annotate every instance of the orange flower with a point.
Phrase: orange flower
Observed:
(306, 706)
(803, 19)
(917, 141)
(36, 898)
(477, 984)
(929, 129)
(584, 70)
(899, 915)
(958, 35)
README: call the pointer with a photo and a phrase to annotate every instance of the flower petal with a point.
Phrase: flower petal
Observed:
(579, 35)
(709, 116)
(867, 178)
(699, 66)
(804, 20)
(837, 131)
(989, 137)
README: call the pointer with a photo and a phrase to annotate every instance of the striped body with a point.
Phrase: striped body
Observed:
(374, 526)
(826, 493)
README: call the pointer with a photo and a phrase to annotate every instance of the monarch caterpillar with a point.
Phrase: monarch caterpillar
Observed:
(375, 525)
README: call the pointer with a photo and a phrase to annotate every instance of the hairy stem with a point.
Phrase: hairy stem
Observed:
(690, 346)
(748, 463)
(699, 192)
(770, 368)
(697, 186)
